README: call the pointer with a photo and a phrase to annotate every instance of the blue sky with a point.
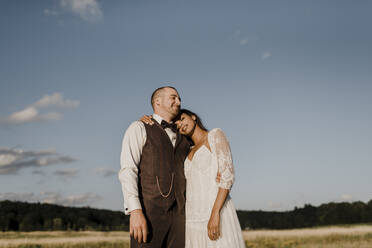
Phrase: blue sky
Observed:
(290, 83)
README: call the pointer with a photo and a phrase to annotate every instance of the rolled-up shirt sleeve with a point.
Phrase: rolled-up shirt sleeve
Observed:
(130, 157)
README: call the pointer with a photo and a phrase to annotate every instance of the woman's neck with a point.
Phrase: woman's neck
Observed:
(198, 135)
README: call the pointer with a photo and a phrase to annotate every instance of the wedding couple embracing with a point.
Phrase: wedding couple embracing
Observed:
(176, 177)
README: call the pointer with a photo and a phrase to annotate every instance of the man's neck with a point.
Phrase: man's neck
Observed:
(165, 117)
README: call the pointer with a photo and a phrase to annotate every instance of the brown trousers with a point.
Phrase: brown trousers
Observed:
(167, 230)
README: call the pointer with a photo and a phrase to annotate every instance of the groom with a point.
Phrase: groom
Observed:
(152, 177)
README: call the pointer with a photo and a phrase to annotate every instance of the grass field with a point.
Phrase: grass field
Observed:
(359, 236)
(327, 237)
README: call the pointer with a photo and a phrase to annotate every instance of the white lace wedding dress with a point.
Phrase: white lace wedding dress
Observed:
(201, 192)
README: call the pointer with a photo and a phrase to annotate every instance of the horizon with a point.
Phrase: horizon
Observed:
(247, 210)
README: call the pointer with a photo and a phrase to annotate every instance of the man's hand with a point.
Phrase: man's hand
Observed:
(138, 226)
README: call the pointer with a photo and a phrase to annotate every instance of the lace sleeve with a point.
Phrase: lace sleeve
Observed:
(221, 148)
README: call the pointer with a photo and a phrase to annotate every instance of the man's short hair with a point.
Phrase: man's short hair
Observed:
(157, 92)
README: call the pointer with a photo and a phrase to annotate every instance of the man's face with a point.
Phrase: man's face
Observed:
(169, 101)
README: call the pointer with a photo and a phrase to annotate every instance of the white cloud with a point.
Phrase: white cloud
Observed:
(346, 197)
(26, 115)
(72, 200)
(275, 205)
(6, 159)
(55, 99)
(32, 112)
(88, 10)
(105, 172)
(12, 160)
(266, 55)
(52, 198)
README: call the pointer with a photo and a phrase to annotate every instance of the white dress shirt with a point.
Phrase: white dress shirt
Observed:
(132, 145)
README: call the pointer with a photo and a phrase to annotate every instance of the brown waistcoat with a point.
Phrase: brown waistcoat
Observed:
(161, 172)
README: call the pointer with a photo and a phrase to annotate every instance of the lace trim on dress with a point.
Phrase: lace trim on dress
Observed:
(221, 148)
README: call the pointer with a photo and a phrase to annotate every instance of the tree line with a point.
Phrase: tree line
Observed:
(309, 216)
(22, 216)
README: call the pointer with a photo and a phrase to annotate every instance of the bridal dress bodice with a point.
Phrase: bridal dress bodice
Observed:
(201, 192)
(201, 172)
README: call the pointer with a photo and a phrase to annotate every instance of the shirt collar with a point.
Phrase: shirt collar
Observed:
(158, 118)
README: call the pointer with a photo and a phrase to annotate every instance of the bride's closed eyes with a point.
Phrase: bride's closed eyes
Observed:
(179, 122)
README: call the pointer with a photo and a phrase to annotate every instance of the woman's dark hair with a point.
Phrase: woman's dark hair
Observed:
(198, 121)
(190, 113)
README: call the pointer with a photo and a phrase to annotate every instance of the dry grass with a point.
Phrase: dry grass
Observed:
(64, 239)
(306, 232)
(325, 237)
(328, 237)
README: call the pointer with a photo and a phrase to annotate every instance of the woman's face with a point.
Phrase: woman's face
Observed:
(186, 124)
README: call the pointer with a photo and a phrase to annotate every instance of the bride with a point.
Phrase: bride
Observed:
(211, 219)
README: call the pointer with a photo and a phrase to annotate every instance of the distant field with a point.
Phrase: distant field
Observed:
(328, 237)
(86, 239)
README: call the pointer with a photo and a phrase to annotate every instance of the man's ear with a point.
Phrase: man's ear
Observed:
(193, 117)
(157, 101)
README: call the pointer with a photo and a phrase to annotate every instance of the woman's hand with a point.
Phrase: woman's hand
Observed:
(147, 119)
(214, 226)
